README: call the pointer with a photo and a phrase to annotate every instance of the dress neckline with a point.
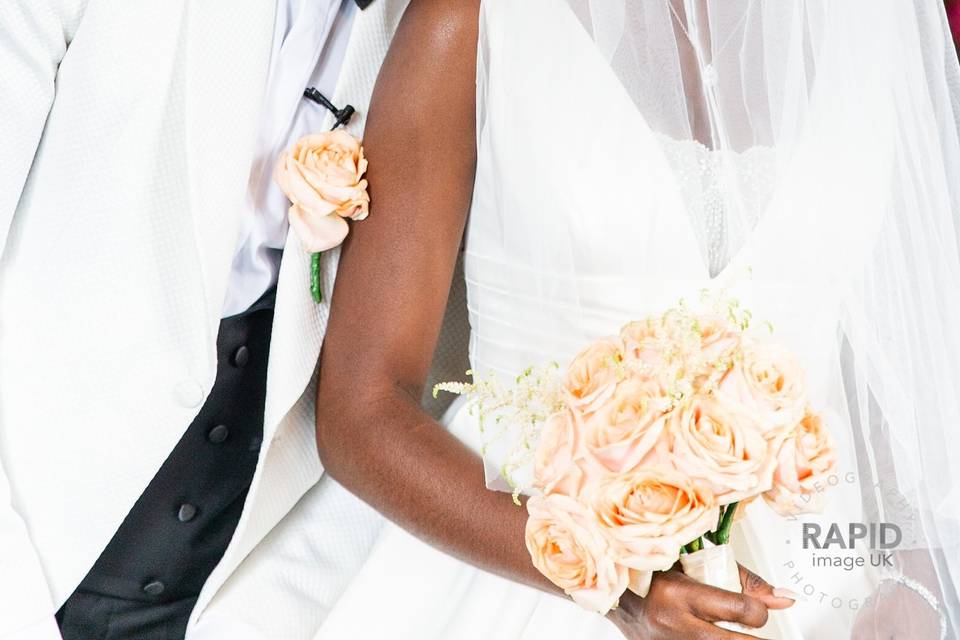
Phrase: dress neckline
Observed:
(737, 260)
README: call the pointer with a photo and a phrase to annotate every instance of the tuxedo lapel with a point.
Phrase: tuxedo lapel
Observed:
(227, 61)
(300, 323)
(289, 464)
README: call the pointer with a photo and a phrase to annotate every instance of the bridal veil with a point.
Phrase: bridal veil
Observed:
(826, 136)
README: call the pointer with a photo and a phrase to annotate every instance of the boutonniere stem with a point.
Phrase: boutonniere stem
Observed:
(315, 290)
(322, 176)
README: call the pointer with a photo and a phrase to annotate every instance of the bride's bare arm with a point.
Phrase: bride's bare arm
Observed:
(387, 307)
(389, 299)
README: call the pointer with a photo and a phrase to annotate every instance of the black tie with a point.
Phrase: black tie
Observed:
(363, 4)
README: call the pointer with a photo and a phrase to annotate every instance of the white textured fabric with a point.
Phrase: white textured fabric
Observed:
(107, 224)
(120, 216)
(309, 41)
(28, 65)
(309, 557)
(45, 629)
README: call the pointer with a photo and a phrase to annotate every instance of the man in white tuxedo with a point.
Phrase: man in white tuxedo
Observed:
(158, 470)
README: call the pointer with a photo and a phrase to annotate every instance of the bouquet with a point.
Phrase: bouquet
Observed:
(646, 447)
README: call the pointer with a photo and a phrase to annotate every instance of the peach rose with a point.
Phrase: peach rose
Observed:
(805, 461)
(721, 446)
(640, 582)
(570, 549)
(683, 351)
(593, 376)
(651, 513)
(625, 428)
(644, 342)
(768, 382)
(323, 178)
(718, 339)
(554, 464)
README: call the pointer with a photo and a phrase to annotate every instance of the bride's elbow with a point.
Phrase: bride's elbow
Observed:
(343, 419)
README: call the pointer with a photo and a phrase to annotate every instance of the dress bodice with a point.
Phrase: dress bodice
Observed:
(702, 174)
(583, 216)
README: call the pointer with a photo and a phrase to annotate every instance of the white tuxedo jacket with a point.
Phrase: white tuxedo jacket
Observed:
(126, 138)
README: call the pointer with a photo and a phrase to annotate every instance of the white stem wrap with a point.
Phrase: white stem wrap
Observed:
(717, 567)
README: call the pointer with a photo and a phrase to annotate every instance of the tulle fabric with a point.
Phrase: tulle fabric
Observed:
(580, 222)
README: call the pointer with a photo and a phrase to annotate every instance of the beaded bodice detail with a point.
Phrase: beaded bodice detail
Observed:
(721, 217)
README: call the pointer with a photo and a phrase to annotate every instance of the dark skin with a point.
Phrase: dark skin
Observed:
(387, 309)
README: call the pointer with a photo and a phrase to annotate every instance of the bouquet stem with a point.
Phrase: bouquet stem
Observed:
(315, 290)
(694, 546)
(722, 534)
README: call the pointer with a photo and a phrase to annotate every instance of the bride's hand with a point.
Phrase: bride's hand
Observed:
(678, 607)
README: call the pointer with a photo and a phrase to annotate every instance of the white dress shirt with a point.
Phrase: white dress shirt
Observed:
(309, 43)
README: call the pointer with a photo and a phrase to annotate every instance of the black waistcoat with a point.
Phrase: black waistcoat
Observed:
(144, 584)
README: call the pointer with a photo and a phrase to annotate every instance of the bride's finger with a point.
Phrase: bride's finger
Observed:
(755, 586)
(707, 631)
(713, 605)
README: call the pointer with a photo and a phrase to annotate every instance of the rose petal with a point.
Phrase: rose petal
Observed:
(640, 582)
(289, 176)
(317, 233)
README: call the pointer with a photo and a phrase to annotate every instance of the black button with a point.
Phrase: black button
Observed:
(218, 434)
(154, 588)
(187, 512)
(241, 356)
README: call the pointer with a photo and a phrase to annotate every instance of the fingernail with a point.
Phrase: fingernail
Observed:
(780, 592)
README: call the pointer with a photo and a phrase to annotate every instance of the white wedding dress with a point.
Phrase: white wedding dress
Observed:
(586, 216)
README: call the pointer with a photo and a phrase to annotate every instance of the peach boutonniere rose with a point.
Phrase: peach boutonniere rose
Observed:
(322, 176)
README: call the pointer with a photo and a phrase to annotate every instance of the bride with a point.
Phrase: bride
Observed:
(605, 159)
